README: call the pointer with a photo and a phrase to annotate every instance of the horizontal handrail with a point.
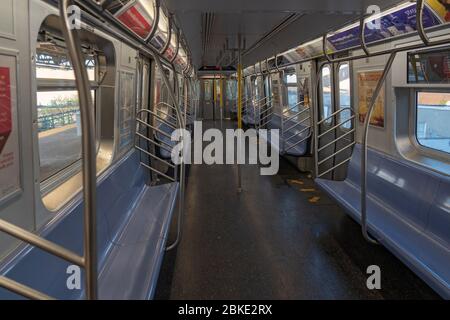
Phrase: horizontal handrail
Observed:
(154, 128)
(155, 157)
(23, 290)
(336, 126)
(299, 123)
(296, 115)
(41, 243)
(267, 116)
(298, 142)
(174, 119)
(158, 172)
(336, 153)
(294, 106)
(167, 148)
(334, 168)
(299, 133)
(162, 103)
(336, 140)
(159, 118)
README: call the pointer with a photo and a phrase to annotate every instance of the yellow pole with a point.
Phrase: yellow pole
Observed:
(221, 92)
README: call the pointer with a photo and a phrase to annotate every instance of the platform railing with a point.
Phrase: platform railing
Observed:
(89, 259)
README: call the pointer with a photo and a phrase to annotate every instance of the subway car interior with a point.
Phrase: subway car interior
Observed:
(224, 150)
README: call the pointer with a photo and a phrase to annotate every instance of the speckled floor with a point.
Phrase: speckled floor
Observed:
(281, 238)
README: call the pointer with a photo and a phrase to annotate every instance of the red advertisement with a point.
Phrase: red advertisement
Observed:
(5, 107)
(134, 18)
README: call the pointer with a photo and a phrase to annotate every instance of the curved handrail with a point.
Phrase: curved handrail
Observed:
(88, 151)
(364, 148)
(362, 36)
(420, 7)
(169, 36)
(182, 124)
(178, 47)
(156, 5)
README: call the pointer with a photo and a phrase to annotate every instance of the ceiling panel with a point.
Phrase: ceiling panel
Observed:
(255, 18)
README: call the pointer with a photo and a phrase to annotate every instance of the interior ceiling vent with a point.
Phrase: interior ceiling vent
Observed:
(207, 26)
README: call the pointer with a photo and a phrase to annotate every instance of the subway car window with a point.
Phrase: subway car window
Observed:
(326, 94)
(345, 94)
(292, 91)
(433, 119)
(59, 125)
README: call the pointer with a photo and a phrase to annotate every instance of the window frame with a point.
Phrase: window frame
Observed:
(423, 149)
(288, 85)
(322, 115)
(45, 85)
(338, 97)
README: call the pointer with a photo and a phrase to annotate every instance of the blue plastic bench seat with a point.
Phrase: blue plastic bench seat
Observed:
(165, 140)
(132, 268)
(289, 147)
(251, 116)
(132, 227)
(408, 212)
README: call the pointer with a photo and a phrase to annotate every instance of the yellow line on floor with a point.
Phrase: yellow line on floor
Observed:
(52, 132)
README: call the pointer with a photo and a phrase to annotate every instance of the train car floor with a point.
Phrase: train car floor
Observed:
(281, 238)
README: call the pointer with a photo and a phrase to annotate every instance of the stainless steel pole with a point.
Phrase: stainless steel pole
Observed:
(88, 149)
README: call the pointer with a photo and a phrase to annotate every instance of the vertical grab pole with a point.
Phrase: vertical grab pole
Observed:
(221, 101)
(88, 150)
(239, 109)
(370, 110)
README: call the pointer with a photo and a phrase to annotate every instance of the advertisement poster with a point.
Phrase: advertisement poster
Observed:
(127, 111)
(367, 82)
(9, 139)
(137, 19)
(441, 8)
(396, 23)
